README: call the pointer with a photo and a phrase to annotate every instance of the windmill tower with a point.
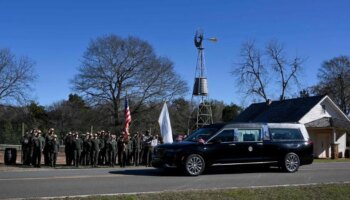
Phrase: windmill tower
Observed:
(201, 113)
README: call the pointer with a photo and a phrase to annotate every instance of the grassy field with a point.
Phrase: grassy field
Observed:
(316, 192)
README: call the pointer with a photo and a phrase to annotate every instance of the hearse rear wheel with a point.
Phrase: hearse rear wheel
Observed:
(291, 163)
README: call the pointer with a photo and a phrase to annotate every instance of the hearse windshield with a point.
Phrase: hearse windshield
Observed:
(202, 133)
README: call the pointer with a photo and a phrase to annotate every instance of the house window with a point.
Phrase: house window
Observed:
(323, 109)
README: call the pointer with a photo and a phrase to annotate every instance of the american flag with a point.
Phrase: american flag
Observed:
(127, 117)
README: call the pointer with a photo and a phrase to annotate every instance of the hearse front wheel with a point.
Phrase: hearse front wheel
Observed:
(291, 163)
(194, 165)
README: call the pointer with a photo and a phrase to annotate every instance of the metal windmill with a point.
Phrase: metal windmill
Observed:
(201, 113)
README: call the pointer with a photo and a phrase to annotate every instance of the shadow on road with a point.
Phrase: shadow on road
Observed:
(209, 171)
(241, 169)
(148, 172)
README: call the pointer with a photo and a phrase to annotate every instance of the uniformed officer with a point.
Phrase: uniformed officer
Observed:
(112, 150)
(129, 151)
(68, 143)
(55, 150)
(83, 150)
(120, 148)
(154, 143)
(77, 146)
(36, 148)
(102, 153)
(49, 146)
(26, 143)
(123, 149)
(42, 141)
(107, 140)
(146, 147)
(87, 148)
(95, 150)
(137, 147)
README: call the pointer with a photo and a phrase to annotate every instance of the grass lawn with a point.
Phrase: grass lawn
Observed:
(317, 192)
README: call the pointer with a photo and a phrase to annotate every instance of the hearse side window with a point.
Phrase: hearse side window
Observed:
(248, 135)
(225, 136)
(202, 133)
(286, 134)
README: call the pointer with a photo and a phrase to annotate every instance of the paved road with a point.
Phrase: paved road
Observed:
(68, 182)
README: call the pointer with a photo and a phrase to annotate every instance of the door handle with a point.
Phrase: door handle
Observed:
(232, 144)
(260, 144)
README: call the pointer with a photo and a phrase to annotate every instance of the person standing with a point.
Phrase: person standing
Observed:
(147, 148)
(77, 146)
(107, 140)
(129, 150)
(102, 153)
(55, 150)
(68, 143)
(153, 143)
(95, 150)
(137, 145)
(112, 151)
(83, 160)
(48, 146)
(49, 143)
(26, 142)
(120, 147)
(123, 153)
(37, 149)
(42, 141)
(87, 148)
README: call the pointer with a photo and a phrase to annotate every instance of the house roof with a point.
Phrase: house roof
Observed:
(328, 122)
(290, 110)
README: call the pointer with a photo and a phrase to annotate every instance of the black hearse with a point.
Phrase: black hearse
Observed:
(284, 144)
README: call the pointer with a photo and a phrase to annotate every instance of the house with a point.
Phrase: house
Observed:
(326, 123)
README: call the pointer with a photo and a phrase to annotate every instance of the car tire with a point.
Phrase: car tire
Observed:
(291, 163)
(194, 165)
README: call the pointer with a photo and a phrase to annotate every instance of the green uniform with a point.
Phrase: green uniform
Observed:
(77, 147)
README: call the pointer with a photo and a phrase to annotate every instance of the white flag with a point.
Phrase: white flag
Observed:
(165, 126)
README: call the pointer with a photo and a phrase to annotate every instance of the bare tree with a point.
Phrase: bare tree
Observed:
(287, 70)
(260, 71)
(334, 80)
(16, 76)
(113, 66)
(251, 73)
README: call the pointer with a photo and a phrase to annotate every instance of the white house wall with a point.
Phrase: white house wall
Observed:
(317, 112)
(326, 108)
(322, 140)
(341, 140)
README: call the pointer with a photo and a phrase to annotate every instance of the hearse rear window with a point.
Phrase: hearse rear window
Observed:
(286, 134)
